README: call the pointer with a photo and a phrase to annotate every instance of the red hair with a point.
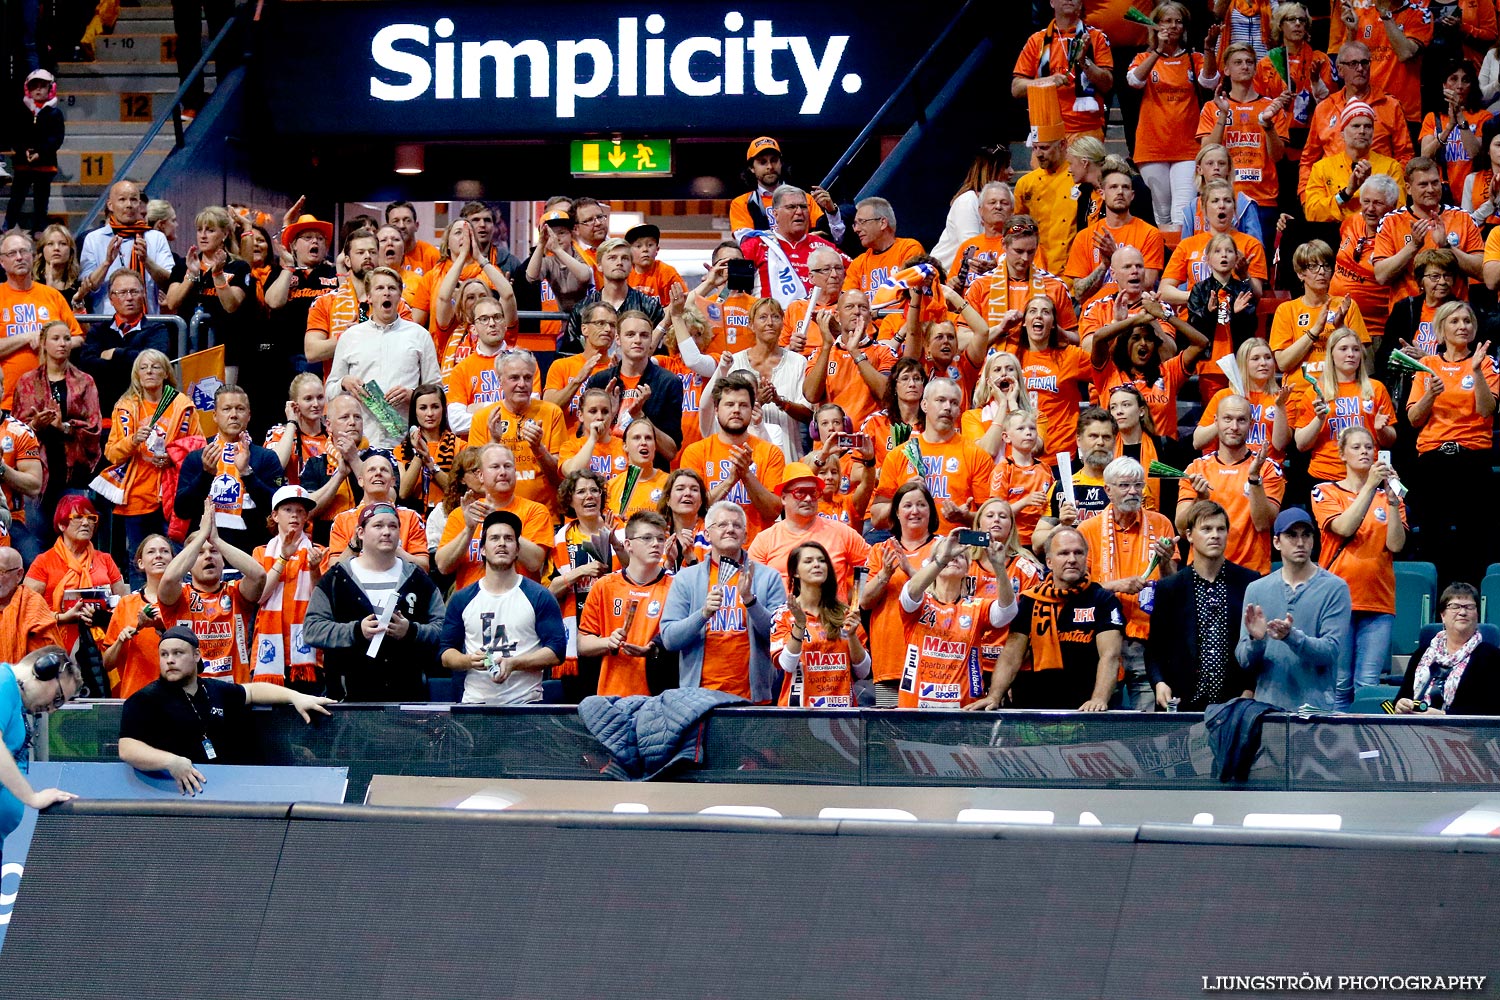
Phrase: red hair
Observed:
(70, 507)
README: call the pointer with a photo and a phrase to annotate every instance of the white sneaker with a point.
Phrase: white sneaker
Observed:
(4, 174)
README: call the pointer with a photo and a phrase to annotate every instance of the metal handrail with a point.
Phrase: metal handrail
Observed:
(901, 89)
(171, 112)
(177, 321)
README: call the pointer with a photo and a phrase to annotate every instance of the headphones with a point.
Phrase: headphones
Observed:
(848, 427)
(48, 667)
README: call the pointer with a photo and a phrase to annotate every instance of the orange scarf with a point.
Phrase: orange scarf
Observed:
(281, 652)
(1047, 601)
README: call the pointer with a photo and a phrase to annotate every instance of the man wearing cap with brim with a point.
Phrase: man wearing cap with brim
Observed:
(182, 720)
(752, 210)
(554, 264)
(502, 631)
(293, 567)
(649, 275)
(800, 490)
(1294, 638)
(1325, 136)
(1332, 192)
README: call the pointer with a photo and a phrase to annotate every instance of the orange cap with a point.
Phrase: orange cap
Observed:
(761, 145)
(796, 472)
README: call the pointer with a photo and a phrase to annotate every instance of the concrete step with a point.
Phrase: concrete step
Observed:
(111, 75)
(97, 166)
(136, 48)
(119, 144)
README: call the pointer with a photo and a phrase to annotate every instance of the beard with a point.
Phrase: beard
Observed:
(1098, 459)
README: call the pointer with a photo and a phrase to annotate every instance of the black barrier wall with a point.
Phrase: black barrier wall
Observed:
(1011, 749)
(189, 901)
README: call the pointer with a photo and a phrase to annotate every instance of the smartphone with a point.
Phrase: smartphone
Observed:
(845, 441)
(741, 274)
(969, 536)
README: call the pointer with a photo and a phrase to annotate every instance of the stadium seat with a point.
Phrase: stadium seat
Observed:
(1367, 699)
(1426, 570)
(1413, 610)
(1489, 599)
(1487, 633)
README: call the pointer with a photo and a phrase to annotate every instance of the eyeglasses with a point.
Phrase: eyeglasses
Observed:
(831, 269)
(1320, 267)
(85, 518)
(864, 222)
(1136, 487)
(1297, 19)
(726, 526)
(491, 319)
(1355, 63)
(17, 253)
(602, 322)
(803, 492)
(1466, 608)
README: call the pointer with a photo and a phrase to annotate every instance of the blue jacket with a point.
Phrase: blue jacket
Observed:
(647, 735)
(1303, 669)
(683, 627)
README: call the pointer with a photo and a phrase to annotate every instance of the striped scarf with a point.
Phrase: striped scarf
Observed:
(281, 652)
(135, 234)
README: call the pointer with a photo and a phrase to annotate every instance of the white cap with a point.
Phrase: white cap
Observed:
(292, 493)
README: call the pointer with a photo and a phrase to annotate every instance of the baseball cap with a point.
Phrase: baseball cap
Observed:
(182, 632)
(557, 217)
(295, 494)
(796, 472)
(373, 510)
(500, 517)
(763, 144)
(1290, 518)
(641, 232)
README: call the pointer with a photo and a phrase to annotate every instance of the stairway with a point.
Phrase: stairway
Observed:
(110, 104)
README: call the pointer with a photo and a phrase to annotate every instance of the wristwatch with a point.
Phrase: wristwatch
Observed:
(868, 463)
(1254, 480)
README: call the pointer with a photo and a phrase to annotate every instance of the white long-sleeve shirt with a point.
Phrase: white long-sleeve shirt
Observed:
(397, 355)
(91, 255)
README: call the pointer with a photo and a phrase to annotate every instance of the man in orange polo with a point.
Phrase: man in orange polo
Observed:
(1245, 484)
(799, 493)
(1082, 85)
(1088, 259)
(885, 252)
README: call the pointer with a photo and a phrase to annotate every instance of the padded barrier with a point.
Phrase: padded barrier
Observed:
(351, 902)
(1015, 749)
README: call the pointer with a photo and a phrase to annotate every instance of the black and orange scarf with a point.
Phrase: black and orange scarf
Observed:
(1047, 601)
(136, 233)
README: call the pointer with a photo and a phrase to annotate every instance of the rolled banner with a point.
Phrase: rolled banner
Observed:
(912, 449)
(1307, 377)
(385, 414)
(1135, 15)
(632, 474)
(1231, 369)
(1405, 362)
(1161, 470)
(1065, 476)
(812, 304)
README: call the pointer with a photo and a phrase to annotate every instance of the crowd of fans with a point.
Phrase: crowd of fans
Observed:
(838, 471)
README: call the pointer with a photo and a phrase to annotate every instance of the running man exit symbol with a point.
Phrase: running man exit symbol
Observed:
(643, 159)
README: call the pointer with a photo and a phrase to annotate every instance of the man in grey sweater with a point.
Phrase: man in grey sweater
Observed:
(1295, 632)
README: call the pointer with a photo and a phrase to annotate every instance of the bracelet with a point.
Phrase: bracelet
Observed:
(1254, 480)
(749, 602)
(802, 637)
(868, 463)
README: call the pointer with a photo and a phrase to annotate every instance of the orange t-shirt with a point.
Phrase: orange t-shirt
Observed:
(1052, 379)
(608, 461)
(726, 644)
(887, 624)
(711, 457)
(845, 386)
(1024, 574)
(1249, 150)
(1231, 490)
(994, 294)
(530, 482)
(424, 293)
(1116, 553)
(1084, 256)
(1262, 419)
(955, 470)
(22, 314)
(140, 664)
(1169, 98)
(413, 533)
(987, 250)
(1188, 266)
(1354, 274)
(613, 600)
(1293, 319)
(1455, 156)
(844, 546)
(1346, 410)
(562, 371)
(941, 666)
(1395, 233)
(729, 320)
(1011, 483)
(692, 395)
(1160, 396)
(869, 269)
(422, 258)
(656, 281)
(18, 444)
(222, 621)
(1453, 416)
(824, 677)
(1364, 563)
(476, 379)
(536, 526)
(1029, 64)
(650, 487)
(1388, 74)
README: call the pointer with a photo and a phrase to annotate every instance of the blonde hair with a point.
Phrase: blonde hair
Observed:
(1280, 13)
(1440, 319)
(1199, 180)
(1329, 381)
(1242, 361)
(1086, 147)
(1013, 547)
(135, 372)
(299, 381)
(982, 388)
(219, 218)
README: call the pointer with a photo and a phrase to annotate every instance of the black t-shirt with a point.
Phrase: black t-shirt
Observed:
(1078, 622)
(162, 716)
(284, 334)
(203, 293)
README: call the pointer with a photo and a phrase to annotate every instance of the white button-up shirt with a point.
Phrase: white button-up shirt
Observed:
(401, 354)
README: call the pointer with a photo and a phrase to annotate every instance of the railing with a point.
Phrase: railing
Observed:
(1123, 750)
(896, 95)
(173, 111)
(177, 321)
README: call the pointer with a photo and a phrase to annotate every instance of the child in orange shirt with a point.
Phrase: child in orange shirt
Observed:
(1022, 481)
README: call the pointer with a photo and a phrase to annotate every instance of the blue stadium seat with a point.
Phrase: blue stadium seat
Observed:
(1414, 599)
(1489, 599)
(1425, 570)
(1367, 699)
(1487, 633)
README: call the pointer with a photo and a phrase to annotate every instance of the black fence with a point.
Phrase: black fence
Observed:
(1013, 749)
(189, 900)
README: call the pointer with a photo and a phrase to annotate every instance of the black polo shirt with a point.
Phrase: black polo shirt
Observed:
(162, 716)
(1079, 621)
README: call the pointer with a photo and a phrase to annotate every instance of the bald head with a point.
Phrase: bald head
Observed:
(10, 572)
(125, 203)
(1130, 269)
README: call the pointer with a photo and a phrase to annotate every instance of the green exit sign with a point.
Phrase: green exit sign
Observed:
(633, 157)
